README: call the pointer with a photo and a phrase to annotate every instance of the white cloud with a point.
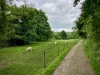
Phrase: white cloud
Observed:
(61, 13)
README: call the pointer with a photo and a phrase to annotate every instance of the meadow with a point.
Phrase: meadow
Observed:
(17, 61)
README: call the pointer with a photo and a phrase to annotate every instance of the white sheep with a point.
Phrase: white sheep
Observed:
(55, 42)
(29, 48)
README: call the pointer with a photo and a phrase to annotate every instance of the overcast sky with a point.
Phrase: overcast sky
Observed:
(61, 13)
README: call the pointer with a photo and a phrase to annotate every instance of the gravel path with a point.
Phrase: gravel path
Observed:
(75, 63)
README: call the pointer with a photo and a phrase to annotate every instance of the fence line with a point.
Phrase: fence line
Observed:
(44, 54)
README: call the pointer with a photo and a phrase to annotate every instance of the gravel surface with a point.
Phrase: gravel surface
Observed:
(75, 63)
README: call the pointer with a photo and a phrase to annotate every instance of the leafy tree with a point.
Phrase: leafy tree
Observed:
(21, 25)
(88, 22)
(63, 35)
(57, 36)
(74, 34)
(76, 2)
(43, 29)
(6, 27)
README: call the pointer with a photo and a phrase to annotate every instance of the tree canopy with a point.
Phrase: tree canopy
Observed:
(88, 23)
(21, 25)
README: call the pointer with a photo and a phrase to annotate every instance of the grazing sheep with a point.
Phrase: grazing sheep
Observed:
(29, 48)
(55, 43)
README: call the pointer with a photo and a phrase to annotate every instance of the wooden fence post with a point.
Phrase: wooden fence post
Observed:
(44, 61)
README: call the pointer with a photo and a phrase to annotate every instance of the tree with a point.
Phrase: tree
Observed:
(6, 27)
(88, 22)
(63, 35)
(76, 2)
(43, 29)
(74, 34)
(21, 25)
(57, 36)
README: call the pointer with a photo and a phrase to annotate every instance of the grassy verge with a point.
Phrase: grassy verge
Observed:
(55, 63)
(17, 61)
(92, 51)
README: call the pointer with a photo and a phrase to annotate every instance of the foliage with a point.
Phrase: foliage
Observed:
(88, 22)
(66, 35)
(92, 50)
(75, 2)
(63, 35)
(57, 36)
(21, 25)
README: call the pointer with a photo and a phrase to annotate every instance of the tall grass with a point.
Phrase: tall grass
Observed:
(92, 50)
(17, 61)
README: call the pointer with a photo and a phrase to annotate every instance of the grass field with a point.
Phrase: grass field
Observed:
(17, 61)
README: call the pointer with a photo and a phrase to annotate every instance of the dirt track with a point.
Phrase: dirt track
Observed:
(75, 63)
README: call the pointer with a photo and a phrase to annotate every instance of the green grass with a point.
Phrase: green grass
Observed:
(17, 61)
(92, 51)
